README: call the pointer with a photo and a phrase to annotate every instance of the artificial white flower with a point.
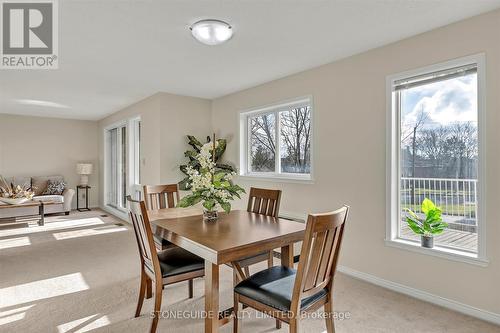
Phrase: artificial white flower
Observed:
(203, 185)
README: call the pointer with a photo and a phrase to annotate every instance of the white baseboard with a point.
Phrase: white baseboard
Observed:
(116, 213)
(424, 296)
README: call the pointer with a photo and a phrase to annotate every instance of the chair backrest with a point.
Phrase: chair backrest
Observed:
(143, 234)
(319, 254)
(263, 201)
(161, 196)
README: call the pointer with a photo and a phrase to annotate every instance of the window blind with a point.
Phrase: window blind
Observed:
(432, 77)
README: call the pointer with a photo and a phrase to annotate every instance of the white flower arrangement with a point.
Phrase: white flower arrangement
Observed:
(210, 186)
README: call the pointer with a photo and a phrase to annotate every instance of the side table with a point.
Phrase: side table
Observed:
(86, 188)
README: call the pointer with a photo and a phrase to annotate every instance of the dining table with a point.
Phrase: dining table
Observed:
(233, 236)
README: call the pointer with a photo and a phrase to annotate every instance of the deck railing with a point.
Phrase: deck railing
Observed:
(456, 197)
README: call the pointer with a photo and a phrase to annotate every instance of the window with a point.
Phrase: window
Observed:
(116, 167)
(276, 141)
(135, 158)
(122, 163)
(436, 153)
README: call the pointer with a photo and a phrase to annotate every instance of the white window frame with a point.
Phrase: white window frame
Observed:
(393, 165)
(134, 180)
(133, 160)
(244, 147)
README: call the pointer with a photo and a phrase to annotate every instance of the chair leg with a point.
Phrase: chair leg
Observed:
(190, 288)
(158, 294)
(294, 325)
(247, 271)
(149, 288)
(270, 263)
(236, 309)
(270, 260)
(142, 290)
(330, 324)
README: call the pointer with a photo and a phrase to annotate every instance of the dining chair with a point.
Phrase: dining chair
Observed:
(163, 268)
(285, 293)
(160, 197)
(265, 202)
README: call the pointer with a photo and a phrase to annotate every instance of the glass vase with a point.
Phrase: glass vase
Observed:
(210, 215)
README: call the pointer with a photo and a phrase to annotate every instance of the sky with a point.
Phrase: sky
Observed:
(444, 102)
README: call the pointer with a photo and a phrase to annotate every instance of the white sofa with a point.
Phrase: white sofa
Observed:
(39, 184)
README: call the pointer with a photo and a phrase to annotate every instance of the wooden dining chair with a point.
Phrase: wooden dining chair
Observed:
(285, 293)
(161, 268)
(265, 202)
(160, 197)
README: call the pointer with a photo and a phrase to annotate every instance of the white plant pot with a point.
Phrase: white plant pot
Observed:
(16, 201)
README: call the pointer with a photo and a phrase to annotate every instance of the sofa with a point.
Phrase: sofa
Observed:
(39, 185)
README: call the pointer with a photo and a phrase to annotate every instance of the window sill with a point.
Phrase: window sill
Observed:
(280, 178)
(441, 252)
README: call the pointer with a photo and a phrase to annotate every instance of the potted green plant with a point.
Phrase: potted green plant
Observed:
(432, 224)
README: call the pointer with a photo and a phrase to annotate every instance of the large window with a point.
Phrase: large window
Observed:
(116, 144)
(122, 163)
(277, 141)
(435, 153)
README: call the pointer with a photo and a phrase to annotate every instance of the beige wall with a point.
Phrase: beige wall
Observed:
(350, 163)
(180, 116)
(33, 146)
(165, 121)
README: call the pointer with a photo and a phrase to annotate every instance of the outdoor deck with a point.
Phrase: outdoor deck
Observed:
(453, 238)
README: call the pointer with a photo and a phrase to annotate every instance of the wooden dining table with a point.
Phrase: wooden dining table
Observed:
(233, 236)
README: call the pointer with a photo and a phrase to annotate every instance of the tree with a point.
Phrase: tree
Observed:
(431, 145)
(262, 159)
(463, 145)
(450, 150)
(263, 149)
(296, 138)
(419, 122)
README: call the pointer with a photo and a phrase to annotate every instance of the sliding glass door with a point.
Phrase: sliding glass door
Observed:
(122, 163)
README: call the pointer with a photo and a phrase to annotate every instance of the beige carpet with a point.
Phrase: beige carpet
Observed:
(80, 273)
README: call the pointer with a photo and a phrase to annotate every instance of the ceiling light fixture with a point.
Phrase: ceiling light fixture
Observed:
(211, 32)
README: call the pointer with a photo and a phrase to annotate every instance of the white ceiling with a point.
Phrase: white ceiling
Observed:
(114, 53)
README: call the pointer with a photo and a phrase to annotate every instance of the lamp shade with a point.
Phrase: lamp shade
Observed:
(84, 168)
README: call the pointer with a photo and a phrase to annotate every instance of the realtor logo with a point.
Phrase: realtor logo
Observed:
(29, 34)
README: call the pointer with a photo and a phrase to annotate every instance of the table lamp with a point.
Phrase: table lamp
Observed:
(84, 170)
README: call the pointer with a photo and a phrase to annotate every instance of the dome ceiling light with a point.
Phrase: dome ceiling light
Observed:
(211, 32)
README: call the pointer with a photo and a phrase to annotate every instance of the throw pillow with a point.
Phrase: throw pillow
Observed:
(39, 183)
(55, 187)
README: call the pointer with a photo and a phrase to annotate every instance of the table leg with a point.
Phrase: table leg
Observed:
(87, 199)
(287, 256)
(211, 297)
(77, 198)
(41, 212)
